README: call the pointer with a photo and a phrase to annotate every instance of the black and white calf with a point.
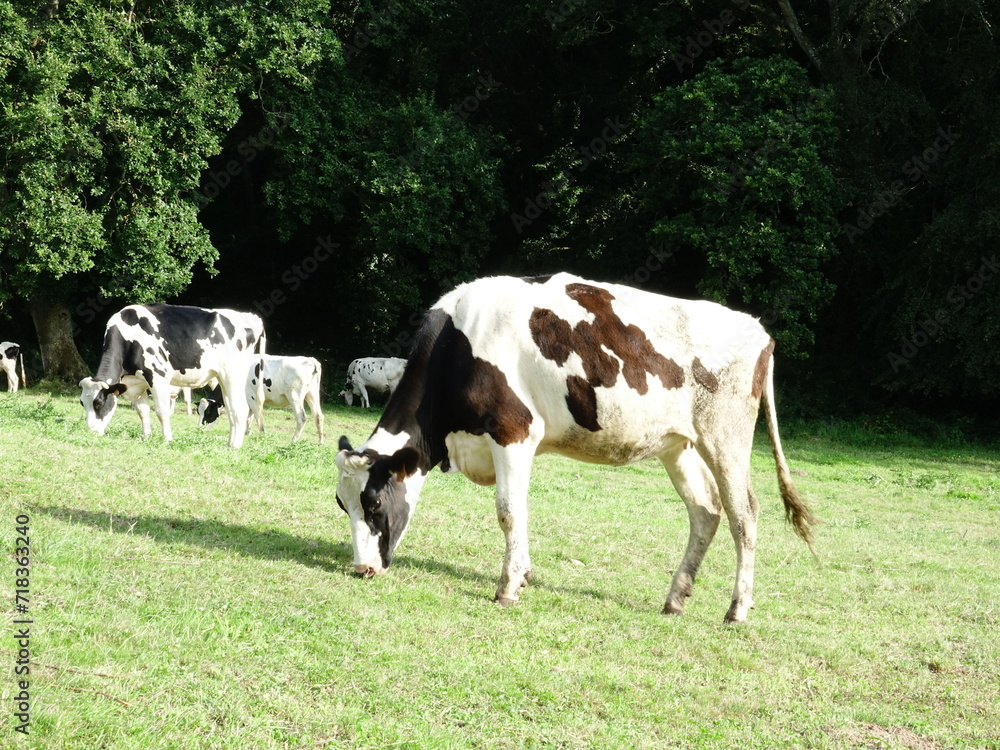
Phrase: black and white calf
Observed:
(10, 354)
(287, 381)
(377, 373)
(503, 369)
(149, 348)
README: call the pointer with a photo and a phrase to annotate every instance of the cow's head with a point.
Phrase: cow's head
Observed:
(348, 394)
(208, 411)
(99, 402)
(378, 493)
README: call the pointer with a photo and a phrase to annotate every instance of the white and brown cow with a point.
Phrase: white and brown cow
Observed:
(503, 369)
(286, 381)
(376, 373)
(149, 348)
(10, 354)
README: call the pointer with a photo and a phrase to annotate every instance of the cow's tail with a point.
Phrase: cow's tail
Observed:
(796, 511)
(318, 415)
(24, 380)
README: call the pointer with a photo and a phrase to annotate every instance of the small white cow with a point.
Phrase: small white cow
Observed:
(377, 373)
(287, 381)
(10, 353)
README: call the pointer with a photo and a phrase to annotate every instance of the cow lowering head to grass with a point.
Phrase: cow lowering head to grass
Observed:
(149, 348)
(503, 369)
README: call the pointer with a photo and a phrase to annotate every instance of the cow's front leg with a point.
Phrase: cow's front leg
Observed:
(141, 406)
(513, 472)
(163, 405)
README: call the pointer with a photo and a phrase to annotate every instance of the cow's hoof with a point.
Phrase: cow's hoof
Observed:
(673, 609)
(505, 601)
(732, 616)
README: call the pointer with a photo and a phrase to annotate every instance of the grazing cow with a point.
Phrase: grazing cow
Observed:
(10, 353)
(149, 348)
(175, 393)
(287, 381)
(503, 369)
(377, 373)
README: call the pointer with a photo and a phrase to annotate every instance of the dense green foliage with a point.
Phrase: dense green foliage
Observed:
(827, 166)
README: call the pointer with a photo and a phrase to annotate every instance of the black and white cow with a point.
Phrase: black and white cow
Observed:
(149, 348)
(378, 373)
(10, 353)
(503, 369)
(287, 381)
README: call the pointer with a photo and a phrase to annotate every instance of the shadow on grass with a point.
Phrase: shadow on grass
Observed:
(267, 544)
(264, 544)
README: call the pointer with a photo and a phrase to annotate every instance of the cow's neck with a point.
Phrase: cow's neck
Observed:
(405, 423)
(111, 365)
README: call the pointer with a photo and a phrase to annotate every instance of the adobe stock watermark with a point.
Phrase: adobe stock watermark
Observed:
(916, 168)
(536, 205)
(644, 272)
(249, 149)
(958, 297)
(698, 43)
(364, 34)
(294, 276)
(485, 88)
(738, 173)
(400, 345)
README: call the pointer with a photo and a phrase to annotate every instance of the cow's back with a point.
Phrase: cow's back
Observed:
(610, 373)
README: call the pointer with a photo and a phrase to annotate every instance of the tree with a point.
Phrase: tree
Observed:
(109, 116)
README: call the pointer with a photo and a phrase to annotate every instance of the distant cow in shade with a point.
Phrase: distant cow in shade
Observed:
(10, 355)
(375, 373)
(286, 381)
(150, 348)
(503, 369)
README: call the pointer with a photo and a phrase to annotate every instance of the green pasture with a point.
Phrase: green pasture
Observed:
(187, 596)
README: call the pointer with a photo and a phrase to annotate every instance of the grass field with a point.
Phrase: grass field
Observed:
(188, 596)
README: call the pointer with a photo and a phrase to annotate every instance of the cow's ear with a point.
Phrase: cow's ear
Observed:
(403, 463)
(344, 444)
(118, 389)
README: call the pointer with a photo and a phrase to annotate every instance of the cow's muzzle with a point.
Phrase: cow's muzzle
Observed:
(367, 571)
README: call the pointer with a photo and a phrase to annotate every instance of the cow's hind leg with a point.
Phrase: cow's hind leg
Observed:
(299, 410)
(696, 486)
(315, 406)
(513, 473)
(731, 468)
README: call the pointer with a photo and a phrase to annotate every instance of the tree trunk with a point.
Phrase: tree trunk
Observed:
(60, 358)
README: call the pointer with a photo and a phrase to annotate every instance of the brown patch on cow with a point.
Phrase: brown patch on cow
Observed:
(582, 402)
(704, 377)
(556, 340)
(552, 335)
(629, 342)
(498, 410)
(760, 370)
